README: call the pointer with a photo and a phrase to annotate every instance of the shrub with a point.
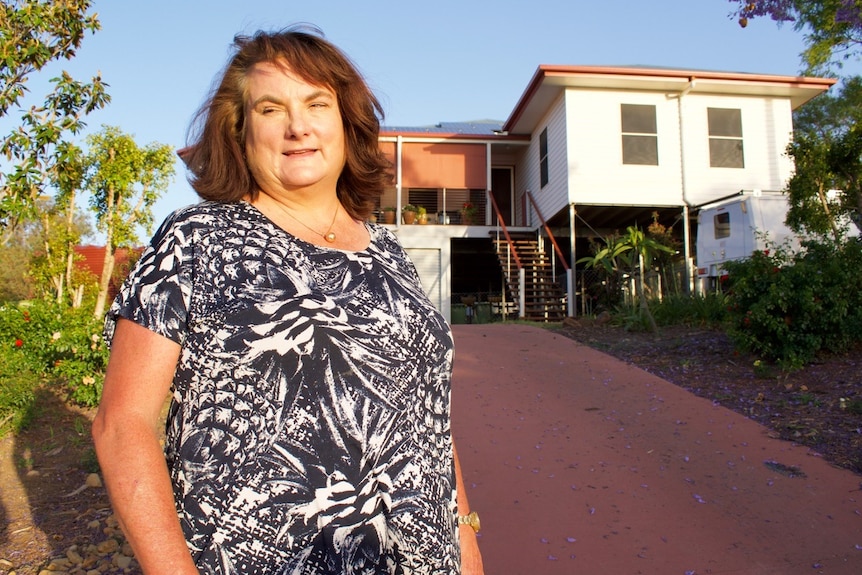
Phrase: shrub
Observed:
(60, 344)
(788, 308)
(709, 309)
(18, 391)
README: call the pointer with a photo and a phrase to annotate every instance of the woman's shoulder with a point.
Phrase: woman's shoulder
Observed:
(206, 217)
(382, 234)
(211, 213)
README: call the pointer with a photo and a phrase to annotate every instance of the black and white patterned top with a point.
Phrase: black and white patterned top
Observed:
(309, 428)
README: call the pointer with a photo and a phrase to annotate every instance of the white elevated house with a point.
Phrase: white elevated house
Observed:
(586, 151)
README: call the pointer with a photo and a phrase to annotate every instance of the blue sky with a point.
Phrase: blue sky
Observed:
(448, 60)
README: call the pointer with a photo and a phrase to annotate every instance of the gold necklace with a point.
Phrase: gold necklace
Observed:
(329, 236)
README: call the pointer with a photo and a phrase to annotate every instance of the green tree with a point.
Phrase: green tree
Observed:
(51, 264)
(125, 181)
(34, 33)
(33, 258)
(831, 114)
(832, 28)
(824, 191)
(16, 253)
(62, 237)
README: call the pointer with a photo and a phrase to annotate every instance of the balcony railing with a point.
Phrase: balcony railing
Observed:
(442, 207)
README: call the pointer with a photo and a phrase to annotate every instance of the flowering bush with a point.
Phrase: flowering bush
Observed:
(60, 345)
(468, 213)
(787, 308)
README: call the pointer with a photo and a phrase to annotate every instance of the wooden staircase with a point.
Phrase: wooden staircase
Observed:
(543, 296)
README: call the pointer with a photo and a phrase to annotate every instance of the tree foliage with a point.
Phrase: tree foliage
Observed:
(124, 181)
(832, 28)
(825, 191)
(33, 34)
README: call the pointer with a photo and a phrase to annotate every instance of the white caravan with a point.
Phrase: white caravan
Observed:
(732, 228)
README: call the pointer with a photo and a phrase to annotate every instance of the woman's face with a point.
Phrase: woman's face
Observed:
(294, 132)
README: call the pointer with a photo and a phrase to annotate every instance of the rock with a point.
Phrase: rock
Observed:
(121, 561)
(73, 555)
(571, 322)
(93, 480)
(603, 318)
(59, 565)
(108, 546)
(6, 564)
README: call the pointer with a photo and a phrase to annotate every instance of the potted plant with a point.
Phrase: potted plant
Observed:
(421, 215)
(408, 213)
(388, 215)
(468, 214)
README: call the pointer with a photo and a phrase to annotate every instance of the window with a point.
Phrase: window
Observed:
(725, 138)
(543, 157)
(721, 224)
(640, 139)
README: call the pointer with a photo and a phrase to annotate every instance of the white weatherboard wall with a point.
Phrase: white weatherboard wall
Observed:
(585, 151)
(553, 196)
(597, 174)
(767, 126)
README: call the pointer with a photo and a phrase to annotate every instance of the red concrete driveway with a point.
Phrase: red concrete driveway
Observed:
(581, 464)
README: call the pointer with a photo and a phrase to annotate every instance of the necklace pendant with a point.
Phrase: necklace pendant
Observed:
(330, 237)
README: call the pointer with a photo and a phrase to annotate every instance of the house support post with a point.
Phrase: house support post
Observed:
(686, 234)
(572, 275)
(399, 143)
(522, 299)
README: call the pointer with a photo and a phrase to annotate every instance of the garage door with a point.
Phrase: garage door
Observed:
(428, 264)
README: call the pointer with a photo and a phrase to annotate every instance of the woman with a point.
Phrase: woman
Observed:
(309, 424)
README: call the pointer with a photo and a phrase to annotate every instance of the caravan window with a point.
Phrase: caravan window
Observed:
(721, 224)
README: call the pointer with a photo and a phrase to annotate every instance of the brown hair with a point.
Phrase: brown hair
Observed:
(215, 154)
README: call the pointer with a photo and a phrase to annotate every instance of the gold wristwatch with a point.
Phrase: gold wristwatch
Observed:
(472, 520)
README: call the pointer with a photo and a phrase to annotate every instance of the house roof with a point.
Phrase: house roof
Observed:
(475, 128)
(549, 81)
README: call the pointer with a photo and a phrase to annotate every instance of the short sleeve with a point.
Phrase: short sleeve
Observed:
(157, 292)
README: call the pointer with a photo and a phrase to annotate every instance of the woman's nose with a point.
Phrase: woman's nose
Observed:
(297, 125)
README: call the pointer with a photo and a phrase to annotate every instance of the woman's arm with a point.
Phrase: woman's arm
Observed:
(471, 558)
(126, 434)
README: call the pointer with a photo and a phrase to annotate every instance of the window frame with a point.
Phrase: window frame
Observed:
(544, 172)
(639, 144)
(721, 225)
(726, 139)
